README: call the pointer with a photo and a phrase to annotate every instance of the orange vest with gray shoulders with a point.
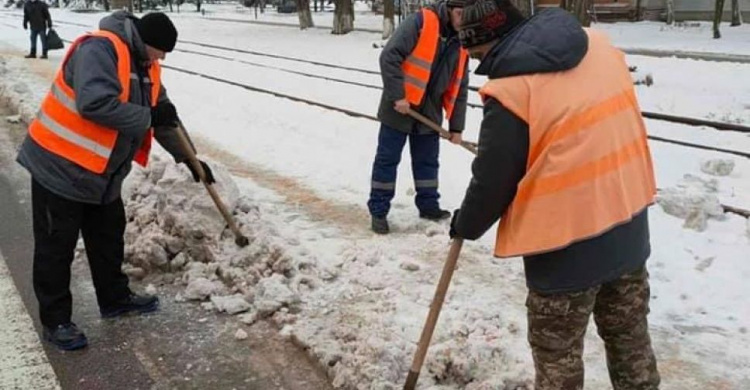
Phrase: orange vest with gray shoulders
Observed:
(417, 67)
(60, 129)
(589, 167)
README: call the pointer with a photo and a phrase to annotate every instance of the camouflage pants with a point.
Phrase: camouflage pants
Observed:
(557, 325)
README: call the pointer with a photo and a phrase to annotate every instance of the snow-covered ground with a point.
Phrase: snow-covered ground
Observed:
(358, 301)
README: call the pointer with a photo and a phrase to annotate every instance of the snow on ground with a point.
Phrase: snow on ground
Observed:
(358, 301)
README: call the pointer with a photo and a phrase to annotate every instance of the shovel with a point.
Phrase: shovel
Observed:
(239, 238)
(470, 146)
(432, 317)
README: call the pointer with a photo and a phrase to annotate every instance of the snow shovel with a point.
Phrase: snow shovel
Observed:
(470, 146)
(239, 238)
(432, 317)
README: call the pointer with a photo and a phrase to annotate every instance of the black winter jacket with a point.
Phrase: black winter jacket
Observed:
(36, 13)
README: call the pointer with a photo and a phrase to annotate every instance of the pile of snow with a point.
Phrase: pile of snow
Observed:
(718, 167)
(694, 200)
(176, 231)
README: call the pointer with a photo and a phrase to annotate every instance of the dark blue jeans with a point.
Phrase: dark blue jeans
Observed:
(425, 149)
(42, 34)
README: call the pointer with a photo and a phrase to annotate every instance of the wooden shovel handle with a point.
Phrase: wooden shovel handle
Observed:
(432, 317)
(443, 132)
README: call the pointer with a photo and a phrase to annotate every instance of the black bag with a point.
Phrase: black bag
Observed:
(53, 40)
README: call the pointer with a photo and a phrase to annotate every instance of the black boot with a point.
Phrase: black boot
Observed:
(435, 215)
(31, 55)
(380, 225)
(133, 303)
(66, 337)
(44, 56)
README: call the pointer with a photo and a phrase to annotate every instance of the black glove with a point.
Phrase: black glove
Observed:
(209, 174)
(164, 114)
(452, 233)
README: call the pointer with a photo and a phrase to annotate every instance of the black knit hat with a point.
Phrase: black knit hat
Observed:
(455, 3)
(483, 21)
(157, 31)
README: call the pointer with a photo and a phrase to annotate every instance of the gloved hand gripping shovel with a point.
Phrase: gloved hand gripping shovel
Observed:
(239, 238)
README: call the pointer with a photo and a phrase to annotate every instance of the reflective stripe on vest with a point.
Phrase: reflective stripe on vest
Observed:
(589, 167)
(418, 65)
(60, 129)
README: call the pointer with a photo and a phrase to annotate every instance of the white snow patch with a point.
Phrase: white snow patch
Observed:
(694, 199)
(234, 304)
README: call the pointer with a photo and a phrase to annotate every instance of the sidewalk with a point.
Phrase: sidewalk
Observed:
(23, 363)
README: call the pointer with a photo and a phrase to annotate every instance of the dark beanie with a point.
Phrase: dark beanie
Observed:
(483, 21)
(157, 31)
(455, 3)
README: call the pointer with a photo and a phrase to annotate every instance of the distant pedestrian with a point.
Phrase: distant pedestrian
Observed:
(36, 14)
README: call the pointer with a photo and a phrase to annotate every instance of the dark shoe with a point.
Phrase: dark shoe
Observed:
(435, 215)
(30, 56)
(66, 337)
(380, 225)
(133, 303)
(44, 56)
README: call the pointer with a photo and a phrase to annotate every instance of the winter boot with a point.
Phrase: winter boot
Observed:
(380, 225)
(132, 303)
(66, 337)
(434, 215)
(31, 55)
(44, 56)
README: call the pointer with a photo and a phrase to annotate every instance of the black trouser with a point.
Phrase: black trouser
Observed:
(57, 223)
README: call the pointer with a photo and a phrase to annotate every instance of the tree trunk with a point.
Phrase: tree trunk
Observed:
(736, 13)
(582, 8)
(670, 12)
(305, 17)
(198, 4)
(524, 6)
(579, 9)
(105, 3)
(343, 17)
(140, 6)
(389, 10)
(718, 13)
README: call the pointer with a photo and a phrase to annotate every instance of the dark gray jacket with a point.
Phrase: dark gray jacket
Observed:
(92, 72)
(401, 44)
(36, 14)
(551, 41)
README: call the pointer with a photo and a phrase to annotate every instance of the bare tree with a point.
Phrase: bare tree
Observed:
(198, 4)
(343, 17)
(389, 24)
(718, 14)
(305, 17)
(670, 12)
(580, 9)
(736, 13)
(524, 6)
(106, 5)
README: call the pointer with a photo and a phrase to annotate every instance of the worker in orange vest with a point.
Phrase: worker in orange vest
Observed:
(102, 112)
(564, 164)
(425, 69)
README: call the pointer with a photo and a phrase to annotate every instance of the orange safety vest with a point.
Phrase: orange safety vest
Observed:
(418, 65)
(589, 166)
(60, 129)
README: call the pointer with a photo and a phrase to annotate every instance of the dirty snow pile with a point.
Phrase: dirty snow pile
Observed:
(345, 310)
(695, 199)
(175, 230)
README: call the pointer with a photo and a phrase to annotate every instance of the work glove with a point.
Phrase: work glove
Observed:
(452, 232)
(209, 174)
(164, 114)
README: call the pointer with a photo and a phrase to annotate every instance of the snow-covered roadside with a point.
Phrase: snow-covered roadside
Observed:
(358, 301)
